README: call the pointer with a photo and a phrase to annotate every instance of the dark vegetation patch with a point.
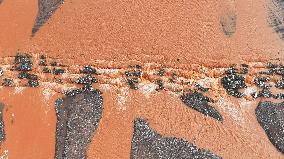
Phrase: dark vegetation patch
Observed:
(78, 116)
(276, 16)
(200, 103)
(261, 82)
(132, 76)
(86, 80)
(161, 72)
(135, 71)
(23, 62)
(23, 75)
(88, 70)
(201, 88)
(160, 84)
(270, 116)
(46, 70)
(273, 69)
(42, 60)
(1, 71)
(149, 144)
(58, 71)
(7, 82)
(280, 83)
(2, 130)
(45, 10)
(279, 96)
(132, 82)
(33, 83)
(228, 22)
(233, 82)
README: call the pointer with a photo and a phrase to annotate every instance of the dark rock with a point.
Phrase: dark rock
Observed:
(78, 117)
(149, 144)
(199, 102)
(271, 118)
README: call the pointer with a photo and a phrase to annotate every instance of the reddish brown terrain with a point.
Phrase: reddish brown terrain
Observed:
(141, 79)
